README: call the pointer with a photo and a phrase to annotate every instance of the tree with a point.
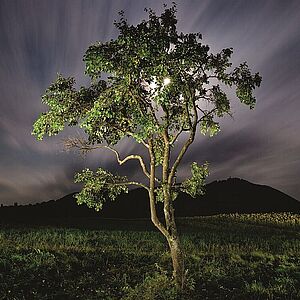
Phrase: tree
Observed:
(154, 85)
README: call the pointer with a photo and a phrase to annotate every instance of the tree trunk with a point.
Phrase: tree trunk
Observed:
(178, 261)
(169, 230)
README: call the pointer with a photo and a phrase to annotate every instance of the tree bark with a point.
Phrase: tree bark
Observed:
(173, 238)
(174, 242)
(178, 261)
(170, 229)
(151, 192)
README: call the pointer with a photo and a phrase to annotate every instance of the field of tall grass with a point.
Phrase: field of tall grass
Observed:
(227, 256)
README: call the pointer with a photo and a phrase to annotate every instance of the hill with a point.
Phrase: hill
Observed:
(226, 196)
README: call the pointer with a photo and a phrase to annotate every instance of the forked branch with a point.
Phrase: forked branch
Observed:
(186, 144)
(83, 146)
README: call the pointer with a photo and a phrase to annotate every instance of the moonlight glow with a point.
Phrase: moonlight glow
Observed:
(153, 85)
(167, 81)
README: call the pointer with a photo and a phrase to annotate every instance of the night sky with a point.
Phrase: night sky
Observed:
(40, 38)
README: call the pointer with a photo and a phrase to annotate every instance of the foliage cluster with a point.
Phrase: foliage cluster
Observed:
(95, 183)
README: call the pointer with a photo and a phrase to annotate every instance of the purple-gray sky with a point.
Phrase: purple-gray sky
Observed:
(40, 38)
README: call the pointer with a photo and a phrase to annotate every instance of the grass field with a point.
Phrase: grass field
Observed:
(227, 256)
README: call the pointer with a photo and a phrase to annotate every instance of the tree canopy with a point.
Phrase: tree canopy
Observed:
(159, 81)
(151, 84)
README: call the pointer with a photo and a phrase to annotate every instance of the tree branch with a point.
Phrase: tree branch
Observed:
(175, 137)
(83, 146)
(148, 105)
(153, 211)
(130, 183)
(130, 134)
(186, 144)
(205, 114)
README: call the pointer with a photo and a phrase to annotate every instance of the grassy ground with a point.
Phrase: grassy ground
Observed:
(227, 256)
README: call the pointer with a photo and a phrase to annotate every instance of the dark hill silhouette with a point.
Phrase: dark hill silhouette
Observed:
(226, 196)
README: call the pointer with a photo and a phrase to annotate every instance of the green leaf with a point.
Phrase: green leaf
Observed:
(194, 186)
(209, 126)
(98, 187)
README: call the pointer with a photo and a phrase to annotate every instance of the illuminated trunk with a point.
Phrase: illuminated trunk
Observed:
(169, 229)
(174, 241)
(178, 261)
(173, 237)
